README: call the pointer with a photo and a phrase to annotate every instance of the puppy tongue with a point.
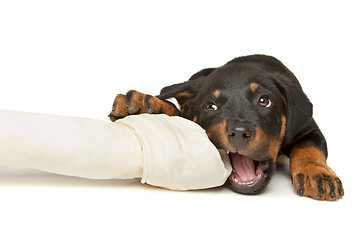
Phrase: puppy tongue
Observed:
(244, 167)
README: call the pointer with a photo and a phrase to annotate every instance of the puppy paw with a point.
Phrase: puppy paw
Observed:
(318, 182)
(134, 102)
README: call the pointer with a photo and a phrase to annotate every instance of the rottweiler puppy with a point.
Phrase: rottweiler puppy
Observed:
(253, 107)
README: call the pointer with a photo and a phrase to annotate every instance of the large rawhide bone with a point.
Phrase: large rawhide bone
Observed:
(169, 152)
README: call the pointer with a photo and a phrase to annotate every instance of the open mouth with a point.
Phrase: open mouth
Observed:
(248, 176)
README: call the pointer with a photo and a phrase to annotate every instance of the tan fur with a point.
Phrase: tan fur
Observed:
(253, 87)
(217, 93)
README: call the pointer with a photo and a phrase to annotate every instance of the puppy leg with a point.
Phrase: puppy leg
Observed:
(310, 174)
(136, 103)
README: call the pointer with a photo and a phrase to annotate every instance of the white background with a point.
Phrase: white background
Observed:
(73, 57)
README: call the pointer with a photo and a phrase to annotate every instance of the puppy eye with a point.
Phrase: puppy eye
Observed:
(264, 101)
(211, 106)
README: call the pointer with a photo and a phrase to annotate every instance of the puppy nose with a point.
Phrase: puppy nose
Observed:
(240, 133)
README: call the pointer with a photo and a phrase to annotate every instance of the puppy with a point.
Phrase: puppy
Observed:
(253, 107)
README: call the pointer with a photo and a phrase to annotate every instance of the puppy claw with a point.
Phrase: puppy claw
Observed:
(319, 182)
(300, 179)
(340, 188)
(331, 187)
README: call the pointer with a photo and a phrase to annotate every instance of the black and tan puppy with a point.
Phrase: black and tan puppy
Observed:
(253, 107)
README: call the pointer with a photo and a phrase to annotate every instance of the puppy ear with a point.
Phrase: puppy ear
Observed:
(298, 108)
(186, 90)
(181, 91)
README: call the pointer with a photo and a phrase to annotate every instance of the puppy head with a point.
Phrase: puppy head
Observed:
(247, 112)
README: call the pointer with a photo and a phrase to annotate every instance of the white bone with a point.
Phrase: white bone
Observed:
(169, 152)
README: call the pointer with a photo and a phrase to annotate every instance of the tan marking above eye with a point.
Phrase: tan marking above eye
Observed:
(217, 93)
(253, 87)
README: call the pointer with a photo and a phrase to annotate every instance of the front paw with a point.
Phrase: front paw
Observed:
(134, 102)
(318, 182)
